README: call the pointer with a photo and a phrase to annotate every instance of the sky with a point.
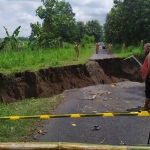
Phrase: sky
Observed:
(14, 13)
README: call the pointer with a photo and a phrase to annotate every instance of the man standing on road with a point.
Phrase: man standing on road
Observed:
(109, 48)
(76, 48)
(146, 75)
(97, 47)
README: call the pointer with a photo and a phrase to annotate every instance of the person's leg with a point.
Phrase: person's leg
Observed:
(108, 51)
(147, 94)
(96, 51)
(146, 105)
(77, 54)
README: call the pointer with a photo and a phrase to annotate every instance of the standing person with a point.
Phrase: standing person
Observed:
(109, 48)
(123, 47)
(146, 75)
(76, 48)
(97, 47)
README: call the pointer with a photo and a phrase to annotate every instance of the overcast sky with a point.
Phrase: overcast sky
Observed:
(14, 13)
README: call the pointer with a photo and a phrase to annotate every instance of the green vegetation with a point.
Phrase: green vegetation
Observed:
(51, 44)
(59, 26)
(129, 22)
(130, 50)
(18, 130)
(13, 61)
(11, 42)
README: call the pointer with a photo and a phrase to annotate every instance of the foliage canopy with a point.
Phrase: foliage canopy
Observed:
(129, 22)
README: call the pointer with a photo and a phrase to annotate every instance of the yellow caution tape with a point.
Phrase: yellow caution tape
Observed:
(108, 115)
(44, 117)
(14, 118)
(134, 112)
(144, 113)
(75, 116)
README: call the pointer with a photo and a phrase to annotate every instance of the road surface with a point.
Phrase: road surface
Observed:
(123, 97)
(102, 54)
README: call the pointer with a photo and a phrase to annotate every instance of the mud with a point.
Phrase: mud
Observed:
(51, 81)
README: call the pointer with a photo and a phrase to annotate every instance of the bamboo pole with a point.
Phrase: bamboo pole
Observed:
(67, 146)
(98, 114)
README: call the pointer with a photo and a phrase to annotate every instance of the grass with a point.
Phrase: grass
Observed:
(18, 130)
(13, 61)
(131, 50)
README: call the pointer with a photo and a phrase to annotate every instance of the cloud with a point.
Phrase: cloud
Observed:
(14, 13)
(87, 10)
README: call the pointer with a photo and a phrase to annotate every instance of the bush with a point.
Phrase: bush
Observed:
(86, 40)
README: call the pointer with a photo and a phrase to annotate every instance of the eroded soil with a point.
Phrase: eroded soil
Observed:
(51, 81)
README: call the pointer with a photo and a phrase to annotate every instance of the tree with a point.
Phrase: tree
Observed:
(94, 28)
(11, 41)
(81, 29)
(58, 22)
(129, 22)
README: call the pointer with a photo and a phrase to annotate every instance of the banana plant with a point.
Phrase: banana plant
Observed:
(11, 41)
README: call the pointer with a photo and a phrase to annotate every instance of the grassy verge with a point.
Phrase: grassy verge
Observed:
(18, 130)
(13, 61)
(131, 50)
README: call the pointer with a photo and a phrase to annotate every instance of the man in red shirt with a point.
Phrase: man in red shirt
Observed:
(146, 75)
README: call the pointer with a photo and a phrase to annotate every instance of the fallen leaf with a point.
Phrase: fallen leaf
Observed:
(113, 85)
(40, 132)
(73, 125)
(122, 143)
(94, 96)
(102, 141)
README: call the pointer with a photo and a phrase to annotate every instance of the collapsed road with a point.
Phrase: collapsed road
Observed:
(119, 89)
(101, 69)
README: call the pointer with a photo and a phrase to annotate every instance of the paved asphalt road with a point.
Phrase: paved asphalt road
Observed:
(102, 54)
(124, 97)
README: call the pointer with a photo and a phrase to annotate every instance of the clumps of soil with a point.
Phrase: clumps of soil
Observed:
(51, 81)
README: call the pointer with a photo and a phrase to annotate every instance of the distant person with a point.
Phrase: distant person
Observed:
(146, 76)
(123, 47)
(109, 48)
(76, 48)
(97, 47)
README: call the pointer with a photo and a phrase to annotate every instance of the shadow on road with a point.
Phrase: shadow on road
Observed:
(134, 109)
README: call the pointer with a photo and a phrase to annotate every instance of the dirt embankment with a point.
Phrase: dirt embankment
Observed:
(48, 82)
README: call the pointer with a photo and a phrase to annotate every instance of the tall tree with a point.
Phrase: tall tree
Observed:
(94, 28)
(128, 21)
(58, 19)
(81, 29)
